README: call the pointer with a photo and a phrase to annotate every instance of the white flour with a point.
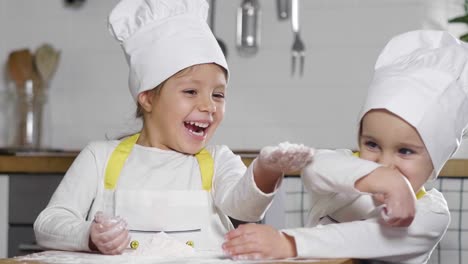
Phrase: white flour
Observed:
(162, 245)
(160, 248)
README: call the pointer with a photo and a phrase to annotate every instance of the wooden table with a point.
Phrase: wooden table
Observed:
(48, 257)
(332, 261)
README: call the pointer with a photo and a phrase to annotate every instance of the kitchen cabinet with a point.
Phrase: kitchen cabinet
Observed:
(3, 215)
(28, 195)
(27, 181)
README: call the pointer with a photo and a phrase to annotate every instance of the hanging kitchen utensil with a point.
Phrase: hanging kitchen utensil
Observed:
(298, 47)
(46, 60)
(248, 27)
(212, 26)
(283, 8)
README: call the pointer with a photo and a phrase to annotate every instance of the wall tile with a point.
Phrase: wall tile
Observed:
(453, 200)
(449, 185)
(452, 255)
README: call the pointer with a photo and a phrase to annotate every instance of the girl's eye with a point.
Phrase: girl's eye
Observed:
(218, 95)
(405, 151)
(191, 92)
(371, 144)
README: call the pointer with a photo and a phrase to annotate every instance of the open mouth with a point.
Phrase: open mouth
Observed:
(197, 128)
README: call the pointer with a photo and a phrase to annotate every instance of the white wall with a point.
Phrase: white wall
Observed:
(89, 98)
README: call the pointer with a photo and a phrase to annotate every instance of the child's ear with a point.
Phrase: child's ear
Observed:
(145, 99)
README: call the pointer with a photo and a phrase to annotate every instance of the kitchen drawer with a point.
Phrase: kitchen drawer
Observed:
(29, 195)
(21, 241)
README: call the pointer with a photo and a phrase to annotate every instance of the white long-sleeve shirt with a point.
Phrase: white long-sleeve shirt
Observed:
(65, 222)
(344, 223)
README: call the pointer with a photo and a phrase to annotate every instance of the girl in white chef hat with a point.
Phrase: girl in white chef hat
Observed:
(412, 122)
(165, 178)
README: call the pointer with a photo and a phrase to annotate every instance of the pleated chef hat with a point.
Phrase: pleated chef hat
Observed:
(162, 37)
(422, 77)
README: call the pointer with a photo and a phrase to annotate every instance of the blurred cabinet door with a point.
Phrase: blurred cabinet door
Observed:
(3, 215)
(28, 195)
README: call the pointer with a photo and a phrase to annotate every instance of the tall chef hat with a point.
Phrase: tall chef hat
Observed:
(422, 77)
(162, 37)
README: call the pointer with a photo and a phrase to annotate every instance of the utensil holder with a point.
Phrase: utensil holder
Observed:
(30, 100)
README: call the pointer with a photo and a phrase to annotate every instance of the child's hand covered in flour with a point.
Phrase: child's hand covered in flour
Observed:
(286, 157)
(273, 162)
(109, 235)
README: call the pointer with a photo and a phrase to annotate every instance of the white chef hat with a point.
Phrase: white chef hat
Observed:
(422, 77)
(162, 37)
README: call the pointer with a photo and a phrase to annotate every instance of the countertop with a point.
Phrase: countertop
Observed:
(201, 261)
(338, 261)
(59, 162)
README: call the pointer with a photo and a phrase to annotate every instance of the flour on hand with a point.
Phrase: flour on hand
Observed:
(286, 157)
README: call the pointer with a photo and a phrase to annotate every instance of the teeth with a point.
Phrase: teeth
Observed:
(201, 133)
(199, 124)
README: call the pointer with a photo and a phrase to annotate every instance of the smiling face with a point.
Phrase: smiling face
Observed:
(389, 140)
(186, 111)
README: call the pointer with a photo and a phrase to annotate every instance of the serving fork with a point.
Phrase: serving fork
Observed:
(298, 47)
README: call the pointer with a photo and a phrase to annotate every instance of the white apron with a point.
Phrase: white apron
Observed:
(186, 215)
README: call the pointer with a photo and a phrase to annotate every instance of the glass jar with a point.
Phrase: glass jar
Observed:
(30, 98)
(7, 104)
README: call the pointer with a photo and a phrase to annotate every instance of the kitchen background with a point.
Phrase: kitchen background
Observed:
(88, 98)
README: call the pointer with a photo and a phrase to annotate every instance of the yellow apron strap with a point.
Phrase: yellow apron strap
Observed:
(206, 164)
(121, 152)
(420, 193)
(117, 161)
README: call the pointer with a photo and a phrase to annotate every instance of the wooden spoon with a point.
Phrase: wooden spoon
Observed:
(20, 66)
(46, 61)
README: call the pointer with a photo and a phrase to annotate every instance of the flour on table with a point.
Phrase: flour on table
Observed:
(159, 248)
(161, 245)
(72, 257)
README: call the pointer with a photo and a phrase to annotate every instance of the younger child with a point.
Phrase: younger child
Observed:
(412, 122)
(118, 194)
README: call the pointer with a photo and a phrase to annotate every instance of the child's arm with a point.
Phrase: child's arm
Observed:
(367, 239)
(240, 193)
(341, 172)
(62, 224)
(394, 190)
